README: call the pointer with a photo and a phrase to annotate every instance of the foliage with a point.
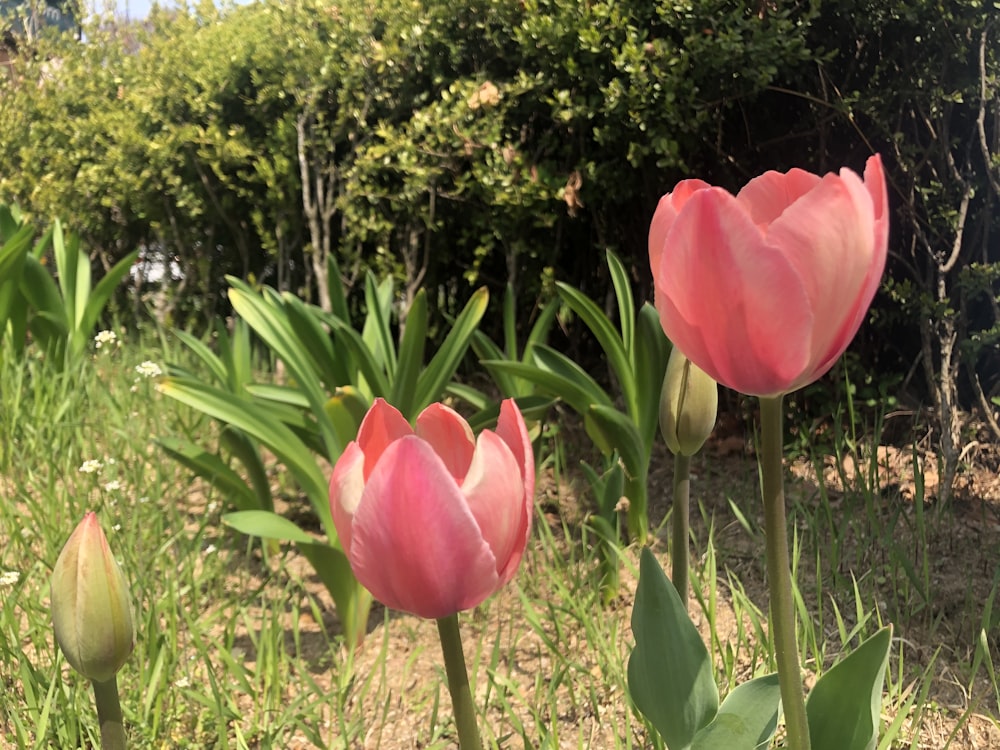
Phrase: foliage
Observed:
(60, 314)
(334, 372)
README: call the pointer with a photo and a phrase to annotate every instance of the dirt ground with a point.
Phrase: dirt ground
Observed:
(960, 544)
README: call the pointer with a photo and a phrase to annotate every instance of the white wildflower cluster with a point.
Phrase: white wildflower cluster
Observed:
(91, 466)
(106, 340)
(149, 369)
(9, 578)
(113, 486)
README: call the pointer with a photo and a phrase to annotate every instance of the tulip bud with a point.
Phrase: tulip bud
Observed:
(689, 404)
(91, 611)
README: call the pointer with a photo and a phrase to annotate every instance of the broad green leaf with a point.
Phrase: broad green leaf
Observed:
(441, 369)
(268, 318)
(747, 718)
(845, 704)
(206, 355)
(613, 431)
(280, 394)
(42, 293)
(670, 674)
(376, 332)
(212, 469)
(364, 360)
(267, 525)
(559, 385)
(557, 363)
(411, 357)
(268, 430)
(346, 409)
(316, 342)
(606, 335)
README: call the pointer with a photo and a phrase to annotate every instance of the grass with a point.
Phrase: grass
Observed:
(237, 649)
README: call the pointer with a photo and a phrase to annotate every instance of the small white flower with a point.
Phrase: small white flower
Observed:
(9, 578)
(117, 527)
(144, 499)
(149, 369)
(113, 486)
(182, 682)
(210, 549)
(90, 466)
(105, 338)
(212, 507)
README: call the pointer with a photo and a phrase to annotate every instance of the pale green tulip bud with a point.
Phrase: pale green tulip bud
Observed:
(91, 611)
(689, 404)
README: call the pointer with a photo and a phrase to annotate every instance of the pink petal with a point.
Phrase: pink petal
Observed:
(766, 197)
(730, 301)
(512, 430)
(450, 436)
(666, 213)
(495, 490)
(416, 546)
(346, 487)
(382, 425)
(828, 237)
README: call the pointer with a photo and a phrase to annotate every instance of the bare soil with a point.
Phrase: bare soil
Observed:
(958, 545)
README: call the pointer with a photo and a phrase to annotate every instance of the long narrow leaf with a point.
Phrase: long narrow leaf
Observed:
(212, 469)
(279, 439)
(626, 304)
(441, 369)
(607, 337)
(411, 357)
(98, 298)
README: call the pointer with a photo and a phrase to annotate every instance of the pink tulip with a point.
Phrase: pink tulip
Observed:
(764, 290)
(433, 520)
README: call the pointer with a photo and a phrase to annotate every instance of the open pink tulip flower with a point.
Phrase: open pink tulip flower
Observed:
(434, 520)
(764, 290)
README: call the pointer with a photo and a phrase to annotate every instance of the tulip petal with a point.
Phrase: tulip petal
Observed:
(382, 425)
(416, 545)
(666, 213)
(495, 491)
(513, 431)
(828, 236)
(730, 301)
(450, 436)
(766, 197)
(347, 485)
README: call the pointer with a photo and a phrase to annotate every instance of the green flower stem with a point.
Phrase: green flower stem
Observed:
(679, 538)
(779, 575)
(458, 683)
(109, 714)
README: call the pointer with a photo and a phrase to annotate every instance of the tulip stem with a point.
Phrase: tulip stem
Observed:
(109, 714)
(680, 525)
(779, 576)
(458, 683)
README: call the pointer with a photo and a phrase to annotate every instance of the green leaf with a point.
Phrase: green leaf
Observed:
(246, 452)
(98, 298)
(352, 599)
(613, 431)
(747, 718)
(626, 304)
(265, 428)
(411, 357)
(376, 332)
(315, 340)
(206, 355)
(670, 675)
(441, 369)
(212, 469)
(606, 335)
(267, 525)
(652, 350)
(364, 360)
(845, 704)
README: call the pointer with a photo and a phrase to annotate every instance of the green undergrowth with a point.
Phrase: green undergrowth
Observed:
(238, 646)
